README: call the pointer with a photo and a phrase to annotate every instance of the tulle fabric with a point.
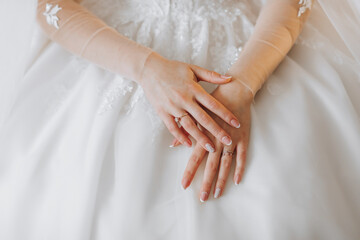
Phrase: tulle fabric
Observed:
(83, 156)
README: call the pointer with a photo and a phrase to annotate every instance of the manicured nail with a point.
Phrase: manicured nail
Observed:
(209, 147)
(184, 183)
(173, 143)
(235, 123)
(226, 140)
(217, 192)
(237, 180)
(203, 196)
(226, 76)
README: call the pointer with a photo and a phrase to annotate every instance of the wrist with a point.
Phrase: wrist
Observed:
(238, 91)
(153, 59)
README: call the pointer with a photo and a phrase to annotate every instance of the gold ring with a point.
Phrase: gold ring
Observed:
(177, 119)
(230, 153)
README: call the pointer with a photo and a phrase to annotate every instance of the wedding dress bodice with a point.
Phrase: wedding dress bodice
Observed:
(211, 32)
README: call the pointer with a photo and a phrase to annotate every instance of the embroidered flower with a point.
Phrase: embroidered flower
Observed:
(305, 4)
(50, 13)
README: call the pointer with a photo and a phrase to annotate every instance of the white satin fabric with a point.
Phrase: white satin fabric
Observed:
(84, 156)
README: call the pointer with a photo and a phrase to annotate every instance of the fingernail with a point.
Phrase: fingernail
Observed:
(226, 76)
(209, 147)
(203, 196)
(235, 123)
(173, 143)
(184, 184)
(226, 140)
(237, 180)
(217, 192)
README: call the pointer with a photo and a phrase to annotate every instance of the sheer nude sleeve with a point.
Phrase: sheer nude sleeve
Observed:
(80, 32)
(277, 28)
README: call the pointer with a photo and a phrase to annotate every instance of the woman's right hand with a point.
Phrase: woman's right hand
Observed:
(173, 90)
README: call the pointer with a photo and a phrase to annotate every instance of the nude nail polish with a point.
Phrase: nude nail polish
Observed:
(184, 184)
(226, 140)
(209, 147)
(203, 196)
(235, 123)
(173, 143)
(226, 77)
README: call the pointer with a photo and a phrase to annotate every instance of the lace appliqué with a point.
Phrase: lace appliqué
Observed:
(207, 33)
(50, 14)
(305, 4)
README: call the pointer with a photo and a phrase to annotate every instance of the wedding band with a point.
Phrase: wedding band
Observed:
(230, 153)
(177, 119)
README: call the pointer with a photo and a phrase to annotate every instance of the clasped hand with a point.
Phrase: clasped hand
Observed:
(219, 122)
(173, 90)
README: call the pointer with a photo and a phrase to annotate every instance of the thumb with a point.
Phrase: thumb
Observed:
(209, 76)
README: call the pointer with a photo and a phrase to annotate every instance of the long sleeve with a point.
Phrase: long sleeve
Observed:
(277, 28)
(83, 34)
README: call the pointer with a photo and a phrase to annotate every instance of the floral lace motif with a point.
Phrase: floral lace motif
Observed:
(50, 14)
(305, 4)
(208, 33)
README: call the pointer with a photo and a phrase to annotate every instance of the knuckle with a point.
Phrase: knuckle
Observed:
(212, 166)
(203, 139)
(189, 173)
(180, 96)
(196, 160)
(213, 75)
(226, 163)
(219, 133)
(238, 169)
(204, 118)
(221, 181)
(173, 129)
(207, 184)
(212, 103)
(187, 124)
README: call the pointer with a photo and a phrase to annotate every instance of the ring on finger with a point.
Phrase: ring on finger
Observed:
(178, 119)
(227, 153)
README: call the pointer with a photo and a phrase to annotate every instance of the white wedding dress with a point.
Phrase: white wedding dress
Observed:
(84, 156)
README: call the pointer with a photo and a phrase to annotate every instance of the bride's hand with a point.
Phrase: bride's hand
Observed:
(172, 88)
(238, 99)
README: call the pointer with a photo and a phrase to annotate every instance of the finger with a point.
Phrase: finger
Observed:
(188, 124)
(218, 108)
(224, 170)
(192, 165)
(241, 151)
(175, 142)
(174, 129)
(203, 74)
(209, 174)
(208, 123)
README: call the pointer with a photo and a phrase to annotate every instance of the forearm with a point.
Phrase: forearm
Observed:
(276, 30)
(85, 35)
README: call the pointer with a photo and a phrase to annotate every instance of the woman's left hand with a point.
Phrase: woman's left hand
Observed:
(237, 98)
